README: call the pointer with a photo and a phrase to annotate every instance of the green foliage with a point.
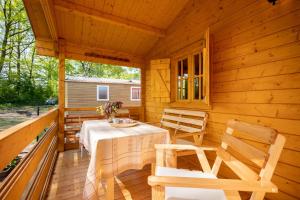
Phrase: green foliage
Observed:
(29, 79)
(87, 69)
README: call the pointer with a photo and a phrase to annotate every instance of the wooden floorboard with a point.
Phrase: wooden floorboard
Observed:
(70, 171)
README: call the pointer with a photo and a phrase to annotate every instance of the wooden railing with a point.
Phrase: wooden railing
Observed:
(29, 179)
(75, 116)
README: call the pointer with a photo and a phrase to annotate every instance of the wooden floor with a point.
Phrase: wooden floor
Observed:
(70, 171)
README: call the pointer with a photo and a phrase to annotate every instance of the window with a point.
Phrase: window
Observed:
(182, 78)
(135, 94)
(198, 87)
(191, 76)
(102, 92)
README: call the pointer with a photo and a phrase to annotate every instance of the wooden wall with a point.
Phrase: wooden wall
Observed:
(84, 94)
(255, 72)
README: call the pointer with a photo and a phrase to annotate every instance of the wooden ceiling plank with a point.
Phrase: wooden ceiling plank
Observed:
(47, 6)
(66, 6)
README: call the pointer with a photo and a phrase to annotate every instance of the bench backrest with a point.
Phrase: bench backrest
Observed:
(235, 153)
(184, 120)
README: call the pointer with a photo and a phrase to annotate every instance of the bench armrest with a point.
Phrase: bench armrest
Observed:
(222, 184)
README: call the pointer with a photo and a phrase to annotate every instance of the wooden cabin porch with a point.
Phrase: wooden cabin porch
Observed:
(231, 59)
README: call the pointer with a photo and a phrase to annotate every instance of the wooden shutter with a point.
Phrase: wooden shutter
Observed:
(160, 78)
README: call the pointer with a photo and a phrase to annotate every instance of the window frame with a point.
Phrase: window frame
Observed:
(138, 87)
(107, 92)
(181, 59)
(201, 75)
(201, 46)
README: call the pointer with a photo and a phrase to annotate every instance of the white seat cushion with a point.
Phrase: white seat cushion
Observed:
(183, 141)
(182, 193)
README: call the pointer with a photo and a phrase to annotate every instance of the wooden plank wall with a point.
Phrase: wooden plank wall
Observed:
(256, 72)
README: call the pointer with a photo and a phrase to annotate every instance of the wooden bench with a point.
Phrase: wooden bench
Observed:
(185, 123)
(234, 153)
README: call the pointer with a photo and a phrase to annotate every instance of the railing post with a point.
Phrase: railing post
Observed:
(61, 95)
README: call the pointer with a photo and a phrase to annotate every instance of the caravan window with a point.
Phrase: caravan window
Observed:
(135, 93)
(102, 92)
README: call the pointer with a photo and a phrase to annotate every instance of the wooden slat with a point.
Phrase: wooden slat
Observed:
(253, 154)
(223, 184)
(14, 136)
(184, 147)
(185, 112)
(239, 168)
(184, 120)
(266, 134)
(18, 180)
(180, 127)
(39, 187)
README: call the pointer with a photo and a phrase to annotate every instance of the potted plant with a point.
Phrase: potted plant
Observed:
(5, 172)
(109, 109)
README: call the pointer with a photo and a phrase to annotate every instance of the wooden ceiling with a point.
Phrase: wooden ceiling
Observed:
(110, 31)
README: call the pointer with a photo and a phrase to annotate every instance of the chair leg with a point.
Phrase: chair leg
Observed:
(232, 195)
(198, 139)
(158, 192)
(257, 196)
(81, 150)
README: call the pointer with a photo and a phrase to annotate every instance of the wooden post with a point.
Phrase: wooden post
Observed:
(61, 96)
(143, 94)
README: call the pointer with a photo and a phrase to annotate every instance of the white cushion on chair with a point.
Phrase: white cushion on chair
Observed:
(183, 141)
(182, 193)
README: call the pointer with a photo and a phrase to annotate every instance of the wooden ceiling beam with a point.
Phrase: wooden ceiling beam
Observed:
(80, 52)
(48, 9)
(67, 6)
(101, 55)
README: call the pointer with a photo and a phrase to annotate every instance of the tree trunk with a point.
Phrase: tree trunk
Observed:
(31, 65)
(7, 8)
(19, 41)
(3, 48)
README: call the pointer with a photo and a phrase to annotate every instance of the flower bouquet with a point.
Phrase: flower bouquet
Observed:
(109, 109)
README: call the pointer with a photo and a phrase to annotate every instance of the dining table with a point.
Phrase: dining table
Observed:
(114, 150)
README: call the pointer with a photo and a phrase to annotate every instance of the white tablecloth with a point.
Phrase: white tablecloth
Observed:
(114, 150)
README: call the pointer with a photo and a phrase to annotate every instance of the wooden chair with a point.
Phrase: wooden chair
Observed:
(123, 113)
(185, 123)
(172, 183)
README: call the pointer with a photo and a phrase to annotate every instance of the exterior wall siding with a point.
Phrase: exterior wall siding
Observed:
(84, 94)
(255, 73)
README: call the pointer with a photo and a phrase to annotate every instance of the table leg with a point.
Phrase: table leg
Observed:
(109, 195)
